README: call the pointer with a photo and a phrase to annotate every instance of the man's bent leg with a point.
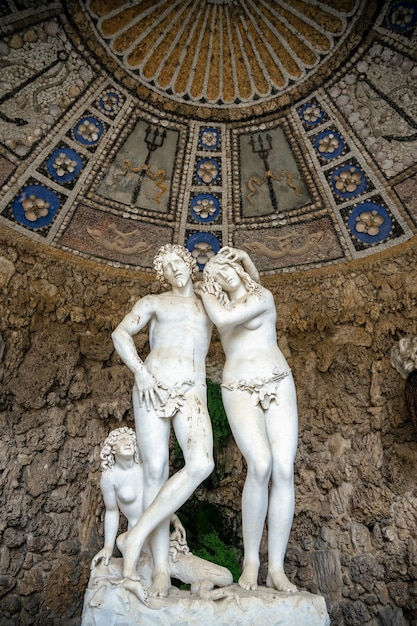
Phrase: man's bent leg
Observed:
(161, 577)
(170, 498)
(153, 439)
(193, 429)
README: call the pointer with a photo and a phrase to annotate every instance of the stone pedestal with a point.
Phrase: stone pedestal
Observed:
(108, 604)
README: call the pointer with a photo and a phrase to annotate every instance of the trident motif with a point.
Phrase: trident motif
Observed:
(154, 139)
(262, 149)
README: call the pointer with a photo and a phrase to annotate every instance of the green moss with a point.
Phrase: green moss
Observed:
(221, 428)
(213, 549)
(203, 524)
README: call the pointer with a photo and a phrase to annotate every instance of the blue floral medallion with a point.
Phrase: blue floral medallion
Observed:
(64, 165)
(210, 139)
(348, 181)
(35, 207)
(207, 171)
(204, 207)
(370, 222)
(202, 247)
(88, 130)
(329, 144)
(311, 114)
(402, 17)
(109, 102)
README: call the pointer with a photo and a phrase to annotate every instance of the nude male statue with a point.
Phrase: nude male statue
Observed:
(169, 389)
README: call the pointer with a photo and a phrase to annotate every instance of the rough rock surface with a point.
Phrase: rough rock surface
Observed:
(63, 388)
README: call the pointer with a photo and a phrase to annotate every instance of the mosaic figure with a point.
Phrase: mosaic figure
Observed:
(259, 398)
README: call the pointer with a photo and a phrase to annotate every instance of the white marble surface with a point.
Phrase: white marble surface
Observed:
(109, 604)
(260, 400)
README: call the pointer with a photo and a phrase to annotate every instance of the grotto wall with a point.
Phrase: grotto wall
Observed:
(63, 388)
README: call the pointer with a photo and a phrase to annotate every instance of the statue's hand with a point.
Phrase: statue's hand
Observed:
(149, 389)
(206, 287)
(179, 531)
(232, 254)
(198, 288)
(104, 555)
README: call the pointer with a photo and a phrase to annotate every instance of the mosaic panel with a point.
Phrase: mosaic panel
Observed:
(303, 244)
(367, 219)
(141, 172)
(206, 221)
(43, 76)
(270, 179)
(127, 242)
(378, 100)
(97, 162)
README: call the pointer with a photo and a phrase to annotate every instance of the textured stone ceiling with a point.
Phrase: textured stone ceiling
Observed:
(287, 128)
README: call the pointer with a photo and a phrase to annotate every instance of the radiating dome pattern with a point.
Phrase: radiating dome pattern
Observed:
(287, 129)
(219, 53)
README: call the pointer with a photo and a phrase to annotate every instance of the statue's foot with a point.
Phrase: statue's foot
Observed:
(161, 582)
(278, 580)
(249, 578)
(135, 586)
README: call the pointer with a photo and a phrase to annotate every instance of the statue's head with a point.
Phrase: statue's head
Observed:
(173, 249)
(211, 269)
(108, 451)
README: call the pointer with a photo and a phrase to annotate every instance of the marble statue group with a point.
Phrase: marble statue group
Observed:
(169, 392)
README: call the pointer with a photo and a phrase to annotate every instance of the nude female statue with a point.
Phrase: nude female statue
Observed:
(260, 402)
(122, 488)
(121, 484)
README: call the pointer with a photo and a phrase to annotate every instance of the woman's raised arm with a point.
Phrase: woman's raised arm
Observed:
(239, 312)
(236, 254)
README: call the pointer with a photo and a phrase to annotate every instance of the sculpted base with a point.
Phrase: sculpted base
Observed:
(108, 604)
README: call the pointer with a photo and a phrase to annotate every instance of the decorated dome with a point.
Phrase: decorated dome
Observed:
(222, 53)
(285, 128)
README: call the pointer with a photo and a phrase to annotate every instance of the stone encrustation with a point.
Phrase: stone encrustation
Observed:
(66, 276)
(63, 389)
(81, 126)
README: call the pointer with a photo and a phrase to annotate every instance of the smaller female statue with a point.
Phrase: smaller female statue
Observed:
(260, 402)
(122, 488)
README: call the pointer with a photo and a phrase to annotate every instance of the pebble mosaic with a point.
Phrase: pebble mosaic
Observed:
(305, 160)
